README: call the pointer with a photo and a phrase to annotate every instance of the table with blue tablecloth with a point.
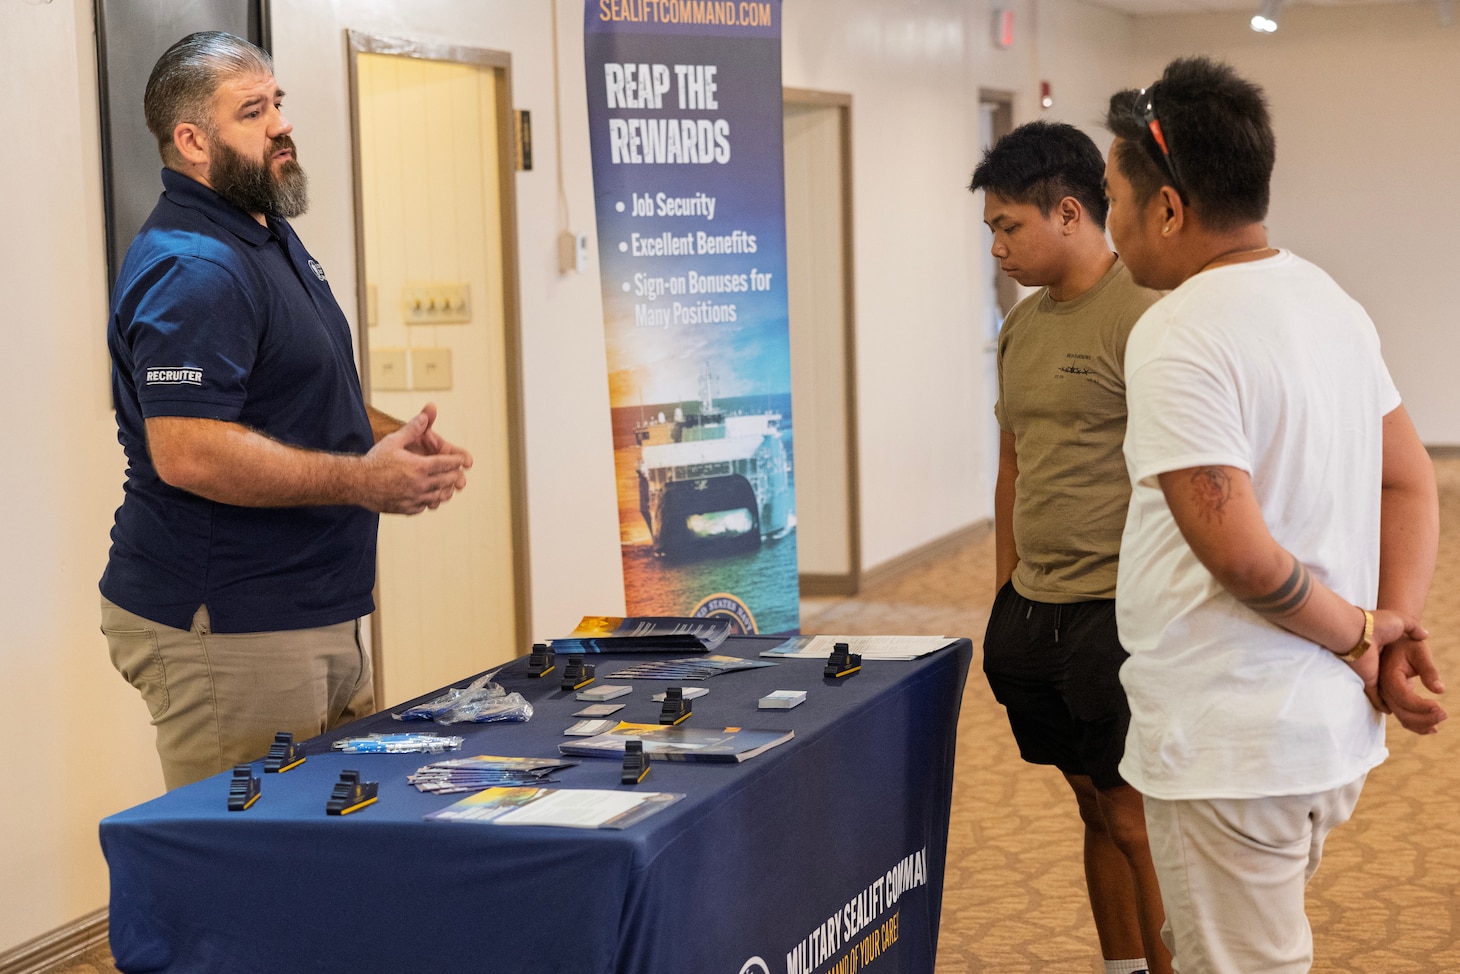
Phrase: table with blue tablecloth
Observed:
(823, 854)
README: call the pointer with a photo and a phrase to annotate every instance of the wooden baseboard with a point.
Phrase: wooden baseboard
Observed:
(1447, 452)
(921, 555)
(821, 586)
(60, 945)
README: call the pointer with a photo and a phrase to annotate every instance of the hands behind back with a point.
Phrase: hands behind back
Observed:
(1400, 663)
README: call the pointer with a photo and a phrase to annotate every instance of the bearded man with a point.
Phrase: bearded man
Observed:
(243, 554)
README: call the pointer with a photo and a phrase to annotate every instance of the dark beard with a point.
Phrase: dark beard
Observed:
(250, 184)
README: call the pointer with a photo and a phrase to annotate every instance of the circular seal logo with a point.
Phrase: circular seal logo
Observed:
(723, 605)
(755, 966)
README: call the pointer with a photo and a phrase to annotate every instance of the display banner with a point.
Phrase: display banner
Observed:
(684, 113)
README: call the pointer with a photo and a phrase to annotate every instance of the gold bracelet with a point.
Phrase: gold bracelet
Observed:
(1365, 641)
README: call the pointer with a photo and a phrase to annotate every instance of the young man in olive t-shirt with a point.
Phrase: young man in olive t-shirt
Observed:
(1051, 653)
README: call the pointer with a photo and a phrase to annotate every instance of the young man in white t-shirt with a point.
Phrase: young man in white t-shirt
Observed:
(1281, 534)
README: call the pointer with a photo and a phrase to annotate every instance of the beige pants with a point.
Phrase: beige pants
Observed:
(1232, 874)
(218, 699)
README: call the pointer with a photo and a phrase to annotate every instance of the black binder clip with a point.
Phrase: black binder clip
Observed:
(842, 662)
(541, 661)
(351, 794)
(577, 673)
(283, 753)
(676, 709)
(636, 763)
(244, 788)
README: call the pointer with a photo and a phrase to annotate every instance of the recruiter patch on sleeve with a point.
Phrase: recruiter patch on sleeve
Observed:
(174, 376)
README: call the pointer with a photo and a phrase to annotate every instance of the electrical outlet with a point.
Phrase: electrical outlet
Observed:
(436, 304)
(430, 368)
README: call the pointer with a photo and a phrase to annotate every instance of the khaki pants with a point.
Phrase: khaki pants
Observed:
(218, 699)
(1232, 874)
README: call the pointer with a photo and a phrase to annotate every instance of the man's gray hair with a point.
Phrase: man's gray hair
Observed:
(185, 78)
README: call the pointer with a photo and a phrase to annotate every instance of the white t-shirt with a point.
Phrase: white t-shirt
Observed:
(1269, 367)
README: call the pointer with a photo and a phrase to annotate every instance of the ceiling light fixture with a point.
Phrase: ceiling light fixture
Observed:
(1265, 21)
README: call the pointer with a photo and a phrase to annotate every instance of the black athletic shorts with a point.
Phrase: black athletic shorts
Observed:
(1055, 668)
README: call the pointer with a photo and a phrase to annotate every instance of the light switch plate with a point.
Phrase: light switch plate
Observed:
(430, 368)
(436, 304)
(388, 370)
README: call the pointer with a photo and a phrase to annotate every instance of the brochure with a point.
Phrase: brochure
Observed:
(692, 668)
(578, 808)
(644, 634)
(868, 647)
(661, 743)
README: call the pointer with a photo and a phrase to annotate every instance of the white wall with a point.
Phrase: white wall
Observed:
(1366, 106)
(79, 747)
(1083, 51)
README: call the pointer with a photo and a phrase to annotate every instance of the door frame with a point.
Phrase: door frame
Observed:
(848, 584)
(1001, 104)
(359, 42)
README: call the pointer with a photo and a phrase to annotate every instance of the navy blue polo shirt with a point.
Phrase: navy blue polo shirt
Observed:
(215, 316)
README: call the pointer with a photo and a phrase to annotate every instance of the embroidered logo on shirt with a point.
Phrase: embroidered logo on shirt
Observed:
(318, 270)
(174, 376)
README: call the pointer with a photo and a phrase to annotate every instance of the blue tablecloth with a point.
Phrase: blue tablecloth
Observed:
(823, 854)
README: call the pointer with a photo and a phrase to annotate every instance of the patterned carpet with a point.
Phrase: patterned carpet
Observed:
(1385, 901)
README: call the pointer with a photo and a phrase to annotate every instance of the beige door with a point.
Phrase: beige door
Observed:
(440, 328)
(995, 120)
(818, 267)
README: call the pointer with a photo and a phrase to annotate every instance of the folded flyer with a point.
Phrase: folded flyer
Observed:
(574, 808)
(868, 647)
(691, 668)
(644, 634)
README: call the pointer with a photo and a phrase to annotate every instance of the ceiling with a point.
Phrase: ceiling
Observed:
(1205, 6)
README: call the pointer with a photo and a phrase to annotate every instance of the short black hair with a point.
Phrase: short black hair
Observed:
(1218, 130)
(1042, 163)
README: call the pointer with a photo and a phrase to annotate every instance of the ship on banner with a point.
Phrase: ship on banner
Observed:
(711, 482)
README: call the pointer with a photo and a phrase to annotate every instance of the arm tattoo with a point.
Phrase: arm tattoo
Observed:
(1288, 597)
(1211, 488)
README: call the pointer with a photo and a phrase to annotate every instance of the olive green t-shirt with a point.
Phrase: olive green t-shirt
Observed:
(1062, 395)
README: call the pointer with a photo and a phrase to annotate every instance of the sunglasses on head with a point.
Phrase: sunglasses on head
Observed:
(1145, 112)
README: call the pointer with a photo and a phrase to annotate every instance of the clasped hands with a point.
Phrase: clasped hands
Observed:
(416, 469)
(1401, 655)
